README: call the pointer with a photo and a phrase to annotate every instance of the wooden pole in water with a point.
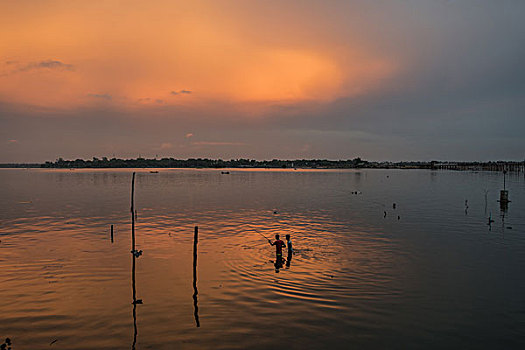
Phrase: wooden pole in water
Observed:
(133, 257)
(133, 212)
(195, 239)
(111, 233)
(195, 292)
(504, 194)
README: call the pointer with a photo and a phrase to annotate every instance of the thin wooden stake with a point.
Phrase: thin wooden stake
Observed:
(133, 257)
(133, 213)
(195, 291)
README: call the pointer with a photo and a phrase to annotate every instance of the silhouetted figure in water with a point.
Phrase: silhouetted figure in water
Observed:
(290, 250)
(289, 245)
(384, 214)
(394, 206)
(279, 244)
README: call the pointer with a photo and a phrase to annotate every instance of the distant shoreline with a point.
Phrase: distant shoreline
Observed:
(204, 163)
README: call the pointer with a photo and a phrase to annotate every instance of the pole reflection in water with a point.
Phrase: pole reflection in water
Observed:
(134, 256)
(135, 302)
(195, 291)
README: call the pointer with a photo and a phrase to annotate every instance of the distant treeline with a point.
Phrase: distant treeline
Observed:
(275, 163)
(204, 163)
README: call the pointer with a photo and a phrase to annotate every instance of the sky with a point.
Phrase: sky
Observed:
(381, 80)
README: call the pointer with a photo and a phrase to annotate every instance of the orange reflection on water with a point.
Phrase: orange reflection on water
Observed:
(71, 277)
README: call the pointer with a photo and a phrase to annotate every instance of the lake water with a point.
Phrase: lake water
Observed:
(429, 274)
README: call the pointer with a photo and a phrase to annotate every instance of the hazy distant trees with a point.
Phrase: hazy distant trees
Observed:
(204, 163)
(355, 163)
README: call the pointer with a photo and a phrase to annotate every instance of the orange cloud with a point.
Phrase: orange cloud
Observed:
(174, 53)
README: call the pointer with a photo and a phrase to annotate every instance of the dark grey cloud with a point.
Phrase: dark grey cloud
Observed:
(187, 92)
(101, 96)
(47, 64)
(14, 67)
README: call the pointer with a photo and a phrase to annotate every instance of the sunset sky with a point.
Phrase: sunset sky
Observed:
(382, 80)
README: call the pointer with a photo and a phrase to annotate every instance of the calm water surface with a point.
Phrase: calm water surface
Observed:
(429, 274)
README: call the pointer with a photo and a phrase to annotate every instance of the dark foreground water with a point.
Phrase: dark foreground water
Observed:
(430, 274)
